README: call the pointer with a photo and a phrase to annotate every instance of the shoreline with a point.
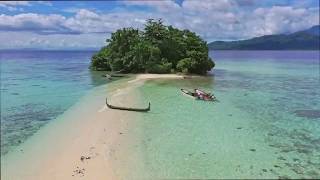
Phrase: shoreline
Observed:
(88, 140)
(183, 138)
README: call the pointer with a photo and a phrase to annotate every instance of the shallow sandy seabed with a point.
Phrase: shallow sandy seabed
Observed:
(89, 141)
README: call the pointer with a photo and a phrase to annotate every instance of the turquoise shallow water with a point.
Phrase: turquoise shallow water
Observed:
(37, 86)
(266, 125)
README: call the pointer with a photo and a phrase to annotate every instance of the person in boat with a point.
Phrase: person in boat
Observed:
(198, 94)
(202, 95)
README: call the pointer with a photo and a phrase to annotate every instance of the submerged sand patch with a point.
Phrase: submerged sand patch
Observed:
(88, 141)
(308, 113)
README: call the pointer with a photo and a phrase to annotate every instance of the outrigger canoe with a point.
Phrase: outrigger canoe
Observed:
(128, 109)
(195, 94)
(189, 93)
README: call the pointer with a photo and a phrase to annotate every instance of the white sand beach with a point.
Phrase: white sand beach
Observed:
(89, 141)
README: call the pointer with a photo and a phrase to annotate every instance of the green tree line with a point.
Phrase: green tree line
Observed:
(157, 49)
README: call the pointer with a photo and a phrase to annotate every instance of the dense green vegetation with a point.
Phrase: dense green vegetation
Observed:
(157, 49)
(303, 40)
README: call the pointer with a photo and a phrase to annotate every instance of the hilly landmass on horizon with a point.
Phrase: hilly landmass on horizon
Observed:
(302, 40)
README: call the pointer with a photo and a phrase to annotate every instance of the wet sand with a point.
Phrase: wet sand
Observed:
(89, 141)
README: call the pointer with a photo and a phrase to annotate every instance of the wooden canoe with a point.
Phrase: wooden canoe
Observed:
(128, 109)
(192, 94)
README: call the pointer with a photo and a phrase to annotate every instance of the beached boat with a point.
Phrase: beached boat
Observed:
(113, 75)
(128, 109)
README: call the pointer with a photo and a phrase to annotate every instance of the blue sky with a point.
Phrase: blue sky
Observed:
(86, 24)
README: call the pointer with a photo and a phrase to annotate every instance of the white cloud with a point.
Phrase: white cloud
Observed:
(213, 20)
(282, 19)
(84, 21)
(208, 5)
(23, 3)
(71, 10)
(163, 5)
(14, 3)
(32, 22)
(226, 19)
(52, 41)
(12, 8)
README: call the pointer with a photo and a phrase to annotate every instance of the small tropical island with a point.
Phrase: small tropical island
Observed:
(95, 90)
(157, 49)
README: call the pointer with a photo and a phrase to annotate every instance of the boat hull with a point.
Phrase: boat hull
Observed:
(127, 108)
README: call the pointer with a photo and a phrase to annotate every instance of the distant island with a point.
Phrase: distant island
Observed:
(157, 49)
(301, 40)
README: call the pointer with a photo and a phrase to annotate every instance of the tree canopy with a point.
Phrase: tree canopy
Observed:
(157, 49)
